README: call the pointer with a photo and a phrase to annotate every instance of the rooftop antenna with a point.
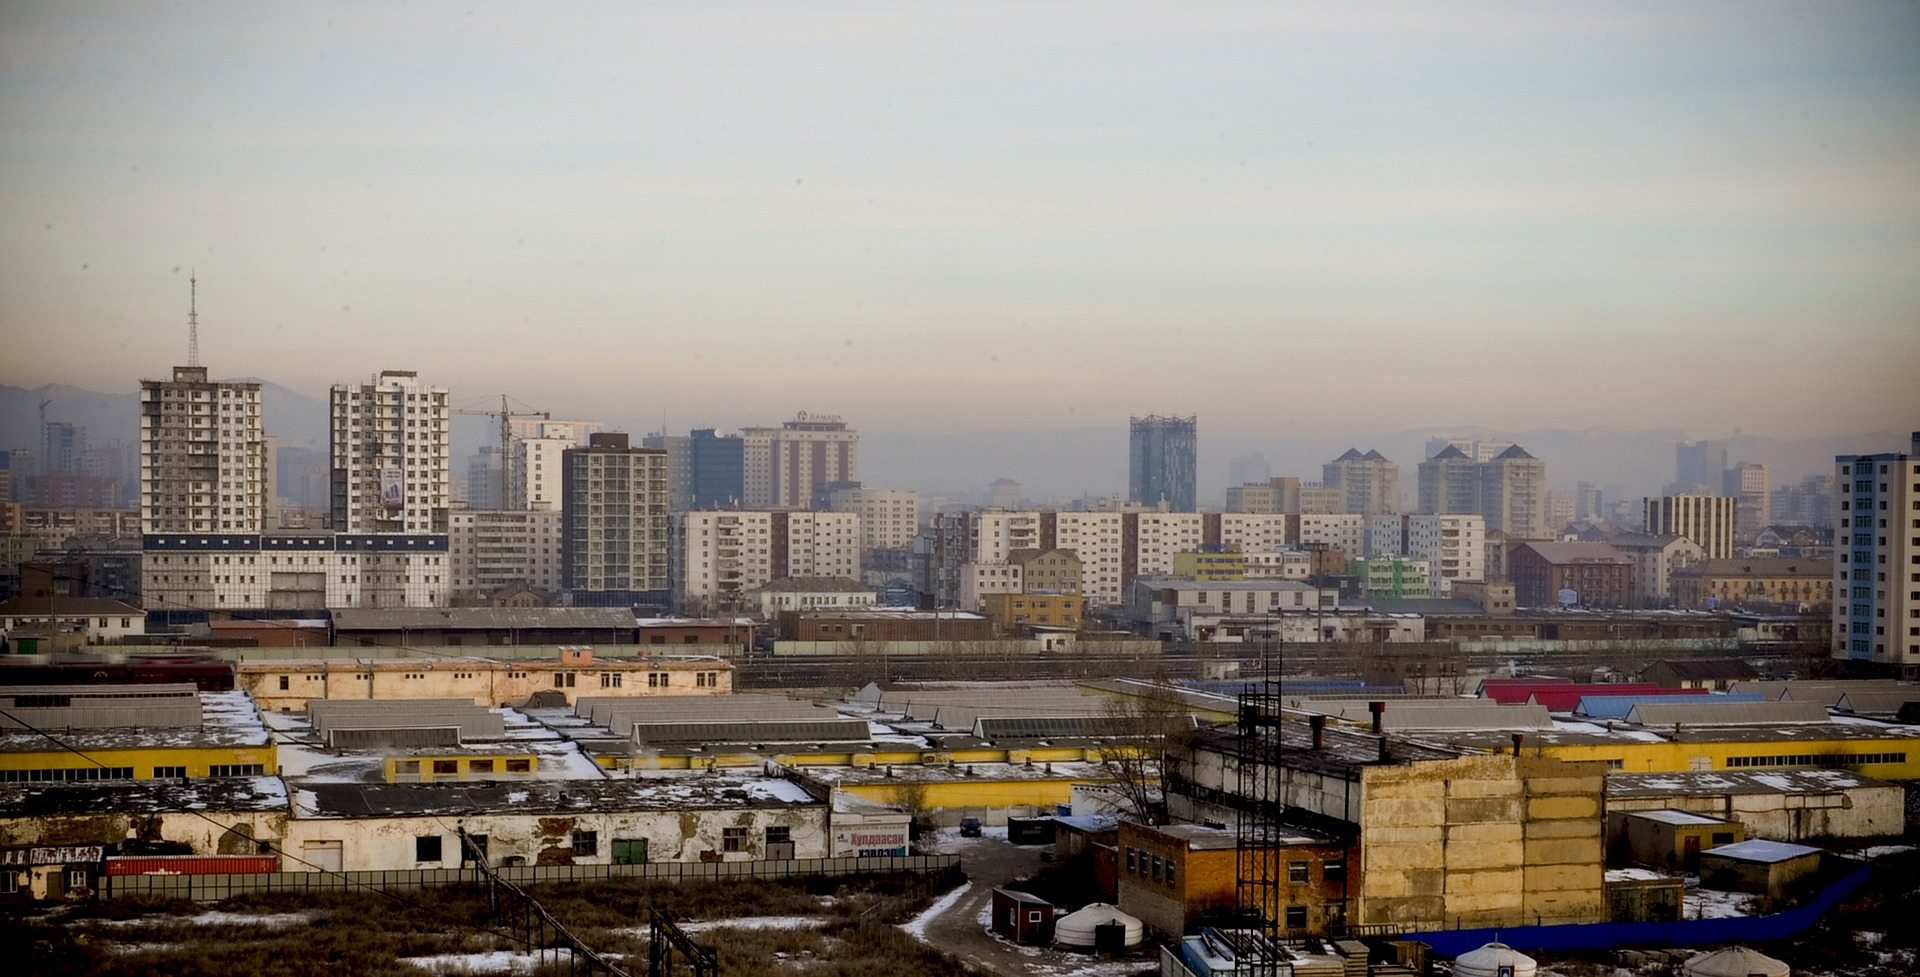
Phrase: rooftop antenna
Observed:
(193, 319)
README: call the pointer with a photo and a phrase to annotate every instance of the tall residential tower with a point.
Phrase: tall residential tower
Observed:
(1161, 461)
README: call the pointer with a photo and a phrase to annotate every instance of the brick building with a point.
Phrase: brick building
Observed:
(1597, 574)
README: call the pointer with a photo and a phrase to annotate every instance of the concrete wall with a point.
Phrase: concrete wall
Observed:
(1484, 840)
(217, 833)
(374, 844)
(1859, 812)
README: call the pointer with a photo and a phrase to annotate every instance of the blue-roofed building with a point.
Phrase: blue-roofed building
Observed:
(1619, 706)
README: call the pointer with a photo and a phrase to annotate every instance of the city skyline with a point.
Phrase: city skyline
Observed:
(914, 214)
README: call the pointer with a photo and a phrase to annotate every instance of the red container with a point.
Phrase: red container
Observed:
(192, 864)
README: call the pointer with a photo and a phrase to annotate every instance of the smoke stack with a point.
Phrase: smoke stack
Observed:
(1319, 725)
(1377, 708)
(1518, 738)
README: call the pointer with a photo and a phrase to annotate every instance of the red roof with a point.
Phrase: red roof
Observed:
(1564, 698)
(1508, 691)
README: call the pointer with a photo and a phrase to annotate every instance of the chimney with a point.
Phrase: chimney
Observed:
(1377, 708)
(1517, 739)
(1385, 755)
(1319, 724)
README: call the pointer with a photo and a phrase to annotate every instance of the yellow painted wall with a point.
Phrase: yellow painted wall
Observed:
(463, 768)
(197, 760)
(980, 793)
(1677, 757)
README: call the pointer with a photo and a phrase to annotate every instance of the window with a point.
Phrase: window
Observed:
(474, 843)
(779, 834)
(480, 766)
(1297, 873)
(564, 680)
(9, 881)
(76, 878)
(283, 683)
(169, 773)
(426, 848)
(1296, 917)
(1170, 878)
(236, 770)
(406, 768)
(733, 839)
(1723, 837)
(629, 851)
(1156, 868)
(1131, 867)
(446, 767)
(520, 766)
(609, 680)
(586, 843)
(1333, 870)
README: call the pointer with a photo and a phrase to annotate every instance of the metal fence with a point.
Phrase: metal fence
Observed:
(212, 888)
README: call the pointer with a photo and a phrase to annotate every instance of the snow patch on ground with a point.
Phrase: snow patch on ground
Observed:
(917, 926)
(269, 920)
(494, 962)
(1714, 904)
(1882, 851)
(755, 923)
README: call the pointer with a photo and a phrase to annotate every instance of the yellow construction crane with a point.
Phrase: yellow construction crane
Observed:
(506, 415)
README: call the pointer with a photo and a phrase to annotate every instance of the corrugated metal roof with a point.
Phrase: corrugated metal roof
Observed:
(770, 731)
(1618, 706)
(1418, 714)
(1707, 713)
(1878, 702)
(1810, 690)
(1760, 851)
(1696, 783)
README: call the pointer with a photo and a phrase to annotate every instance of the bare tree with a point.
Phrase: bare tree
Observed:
(1146, 732)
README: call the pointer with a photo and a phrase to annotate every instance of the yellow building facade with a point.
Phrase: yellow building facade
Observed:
(287, 686)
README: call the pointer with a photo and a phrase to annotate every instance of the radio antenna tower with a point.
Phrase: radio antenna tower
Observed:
(193, 319)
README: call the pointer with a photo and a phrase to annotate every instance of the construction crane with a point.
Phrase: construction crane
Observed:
(506, 415)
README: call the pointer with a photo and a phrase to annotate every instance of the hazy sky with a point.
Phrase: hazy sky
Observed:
(947, 216)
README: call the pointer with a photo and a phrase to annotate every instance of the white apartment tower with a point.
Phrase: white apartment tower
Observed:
(614, 523)
(724, 553)
(889, 518)
(1454, 547)
(390, 443)
(203, 455)
(1876, 567)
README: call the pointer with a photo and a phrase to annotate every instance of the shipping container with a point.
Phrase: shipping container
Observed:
(192, 864)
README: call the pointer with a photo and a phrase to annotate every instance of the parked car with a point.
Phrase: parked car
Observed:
(969, 827)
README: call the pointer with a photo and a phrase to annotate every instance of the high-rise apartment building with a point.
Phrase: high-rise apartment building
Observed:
(1097, 539)
(1370, 481)
(889, 518)
(811, 452)
(203, 455)
(1876, 567)
(1454, 547)
(1752, 489)
(492, 548)
(719, 469)
(614, 533)
(679, 450)
(1587, 505)
(1161, 461)
(1705, 519)
(1513, 494)
(724, 554)
(390, 456)
(1450, 482)
(1698, 467)
(1509, 490)
(756, 466)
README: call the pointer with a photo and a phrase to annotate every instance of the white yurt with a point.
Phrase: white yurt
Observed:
(1735, 961)
(1077, 928)
(1494, 960)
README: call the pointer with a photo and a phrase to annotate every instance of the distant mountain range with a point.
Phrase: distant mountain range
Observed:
(1052, 466)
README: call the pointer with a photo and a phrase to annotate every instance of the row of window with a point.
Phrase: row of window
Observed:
(443, 768)
(586, 844)
(1815, 760)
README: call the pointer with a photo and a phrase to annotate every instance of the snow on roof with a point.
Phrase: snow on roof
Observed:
(1757, 850)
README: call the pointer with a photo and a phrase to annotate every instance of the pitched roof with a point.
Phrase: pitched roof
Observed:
(1580, 551)
(1755, 566)
(1710, 668)
(1514, 452)
(814, 585)
(1450, 453)
(1373, 455)
(1708, 713)
(1353, 454)
(91, 606)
